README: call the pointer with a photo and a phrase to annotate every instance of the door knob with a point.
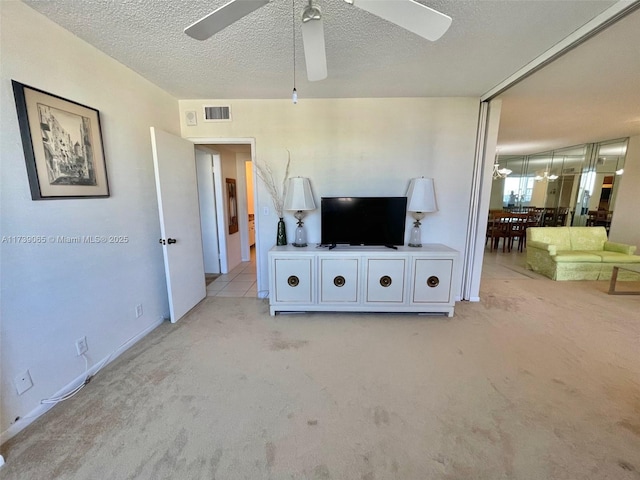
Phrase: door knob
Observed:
(171, 240)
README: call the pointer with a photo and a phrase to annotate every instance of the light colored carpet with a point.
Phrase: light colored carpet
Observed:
(540, 380)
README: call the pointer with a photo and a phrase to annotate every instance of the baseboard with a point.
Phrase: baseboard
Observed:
(41, 409)
(474, 299)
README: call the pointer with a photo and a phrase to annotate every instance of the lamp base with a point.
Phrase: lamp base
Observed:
(300, 239)
(415, 238)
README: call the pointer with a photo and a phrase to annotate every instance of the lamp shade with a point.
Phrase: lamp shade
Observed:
(421, 195)
(299, 196)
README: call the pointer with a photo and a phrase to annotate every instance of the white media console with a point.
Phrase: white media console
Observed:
(362, 279)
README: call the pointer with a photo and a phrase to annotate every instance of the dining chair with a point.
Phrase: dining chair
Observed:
(498, 228)
(517, 230)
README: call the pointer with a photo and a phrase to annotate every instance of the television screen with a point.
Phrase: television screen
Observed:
(363, 220)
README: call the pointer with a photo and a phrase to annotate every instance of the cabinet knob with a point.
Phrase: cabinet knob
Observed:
(385, 281)
(433, 281)
(339, 281)
(293, 281)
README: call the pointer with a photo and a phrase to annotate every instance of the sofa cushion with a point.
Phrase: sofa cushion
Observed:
(558, 236)
(620, 248)
(616, 257)
(588, 238)
(570, 256)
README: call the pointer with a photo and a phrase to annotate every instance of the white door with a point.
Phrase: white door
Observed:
(176, 185)
(208, 215)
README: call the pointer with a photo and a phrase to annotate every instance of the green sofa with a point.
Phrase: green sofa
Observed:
(576, 253)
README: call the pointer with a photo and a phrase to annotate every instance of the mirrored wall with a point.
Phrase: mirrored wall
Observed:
(575, 186)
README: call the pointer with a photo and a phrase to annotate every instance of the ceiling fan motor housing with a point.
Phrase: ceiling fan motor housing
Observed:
(311, 12)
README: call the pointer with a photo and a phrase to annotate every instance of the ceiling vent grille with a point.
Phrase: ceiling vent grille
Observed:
(217, 113)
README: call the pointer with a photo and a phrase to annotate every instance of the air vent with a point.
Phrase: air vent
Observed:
(217, 113)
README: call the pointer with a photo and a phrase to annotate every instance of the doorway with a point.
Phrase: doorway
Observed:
(231, 164)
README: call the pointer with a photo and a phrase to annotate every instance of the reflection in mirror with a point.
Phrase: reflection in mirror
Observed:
(569, 186)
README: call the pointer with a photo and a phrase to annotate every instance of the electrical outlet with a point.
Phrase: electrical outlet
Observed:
(81, 345)
(265, 211)
(138, 311)
(23, 382)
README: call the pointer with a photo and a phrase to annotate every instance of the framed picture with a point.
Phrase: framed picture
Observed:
(232, 205)
(62, 144)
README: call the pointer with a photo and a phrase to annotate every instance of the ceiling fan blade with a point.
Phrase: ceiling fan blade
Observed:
(222, 17)
(408, 14)
(314, 51)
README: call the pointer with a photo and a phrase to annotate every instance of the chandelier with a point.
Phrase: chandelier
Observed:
(499, 172)
(545, 177)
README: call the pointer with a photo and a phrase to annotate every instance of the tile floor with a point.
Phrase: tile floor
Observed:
(239, 282)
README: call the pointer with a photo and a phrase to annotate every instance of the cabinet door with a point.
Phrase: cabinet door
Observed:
(385, 280)
(432, 280)
(338, 280)
(292, 279)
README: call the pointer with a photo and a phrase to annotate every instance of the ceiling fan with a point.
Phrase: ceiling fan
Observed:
(408, 14)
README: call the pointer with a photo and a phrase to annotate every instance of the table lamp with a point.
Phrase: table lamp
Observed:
(421, 199)
(299, 199)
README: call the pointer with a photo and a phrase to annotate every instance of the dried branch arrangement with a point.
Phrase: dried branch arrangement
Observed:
(277, 193)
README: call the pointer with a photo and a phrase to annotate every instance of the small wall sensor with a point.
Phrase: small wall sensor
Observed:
(191, 118)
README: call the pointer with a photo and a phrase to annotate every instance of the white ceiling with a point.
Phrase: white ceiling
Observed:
(367, 57)
(590, 94)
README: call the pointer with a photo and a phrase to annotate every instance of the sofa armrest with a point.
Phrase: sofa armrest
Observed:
(619, 247)
(542, 246)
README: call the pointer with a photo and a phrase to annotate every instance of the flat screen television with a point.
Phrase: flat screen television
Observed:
(363, 220)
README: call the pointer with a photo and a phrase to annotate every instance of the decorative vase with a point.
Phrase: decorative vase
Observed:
(282, 234)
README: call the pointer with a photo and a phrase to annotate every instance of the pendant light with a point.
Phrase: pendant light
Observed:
(499, 172)
(294, 95)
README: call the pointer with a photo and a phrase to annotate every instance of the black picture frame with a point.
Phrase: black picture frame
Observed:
(62, 143)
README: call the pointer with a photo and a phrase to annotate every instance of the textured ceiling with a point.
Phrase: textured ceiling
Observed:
(369, 57)
(590, 94)
(366, 56)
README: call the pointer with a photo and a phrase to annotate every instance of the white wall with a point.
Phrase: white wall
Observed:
(248, 172)
(358, 147)
(230, 170)
(53, 294)
(625, 225)
(242, 160)
(207, 201)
